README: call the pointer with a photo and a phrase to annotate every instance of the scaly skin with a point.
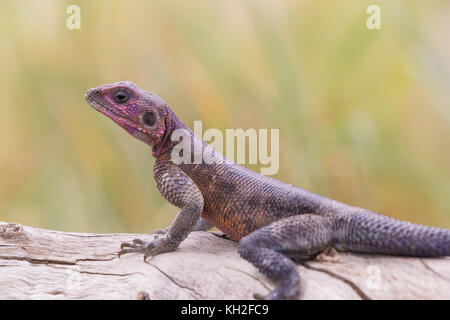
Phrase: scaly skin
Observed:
(272, 221)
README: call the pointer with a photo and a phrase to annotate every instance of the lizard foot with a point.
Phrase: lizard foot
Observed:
(160, 244)
(286, 292)
(258, 296)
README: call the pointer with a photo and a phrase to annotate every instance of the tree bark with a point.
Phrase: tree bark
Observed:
(45, 264)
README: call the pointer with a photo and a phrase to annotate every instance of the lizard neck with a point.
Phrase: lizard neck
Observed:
(165, 145)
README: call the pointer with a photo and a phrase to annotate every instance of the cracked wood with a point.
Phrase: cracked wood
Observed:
(46, 264)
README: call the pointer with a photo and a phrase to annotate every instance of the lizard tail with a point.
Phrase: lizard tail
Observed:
(370, 232)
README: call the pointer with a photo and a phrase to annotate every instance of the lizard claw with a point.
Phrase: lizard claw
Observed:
(138, 246)
(130, 250)
(146, 255)
(151, 248)
(136, 243)
(258, 296)
(285, 292)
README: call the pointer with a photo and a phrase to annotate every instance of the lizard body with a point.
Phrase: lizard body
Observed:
(274, 222)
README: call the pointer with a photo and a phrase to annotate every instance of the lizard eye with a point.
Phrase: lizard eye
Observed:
(121, 96)
(148, 118)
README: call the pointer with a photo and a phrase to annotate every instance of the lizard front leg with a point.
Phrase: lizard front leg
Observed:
(182, 192)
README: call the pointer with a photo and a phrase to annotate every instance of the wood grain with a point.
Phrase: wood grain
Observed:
(45, 264)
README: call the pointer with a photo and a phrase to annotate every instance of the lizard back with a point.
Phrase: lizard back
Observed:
(238, 200)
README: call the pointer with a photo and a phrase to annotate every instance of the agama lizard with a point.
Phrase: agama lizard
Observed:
(274, 222)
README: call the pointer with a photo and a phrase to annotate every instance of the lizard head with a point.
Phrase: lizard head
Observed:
(142, 114)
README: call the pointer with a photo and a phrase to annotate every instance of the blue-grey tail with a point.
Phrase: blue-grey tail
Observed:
(369, 232)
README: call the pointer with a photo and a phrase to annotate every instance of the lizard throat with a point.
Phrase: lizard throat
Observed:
(163, 145)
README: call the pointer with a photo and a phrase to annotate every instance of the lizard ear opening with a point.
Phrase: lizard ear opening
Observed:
(149, 119)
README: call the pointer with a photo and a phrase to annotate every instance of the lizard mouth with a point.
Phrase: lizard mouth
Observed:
(118, 116)
(104, 108)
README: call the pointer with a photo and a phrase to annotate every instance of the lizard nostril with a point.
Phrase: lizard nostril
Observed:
(91, 93)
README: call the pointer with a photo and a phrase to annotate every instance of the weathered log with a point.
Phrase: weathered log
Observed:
(45, 264)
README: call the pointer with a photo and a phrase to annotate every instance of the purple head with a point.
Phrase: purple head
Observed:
(142, 114)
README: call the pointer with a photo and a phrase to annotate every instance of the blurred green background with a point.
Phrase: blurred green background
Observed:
(364, 116)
